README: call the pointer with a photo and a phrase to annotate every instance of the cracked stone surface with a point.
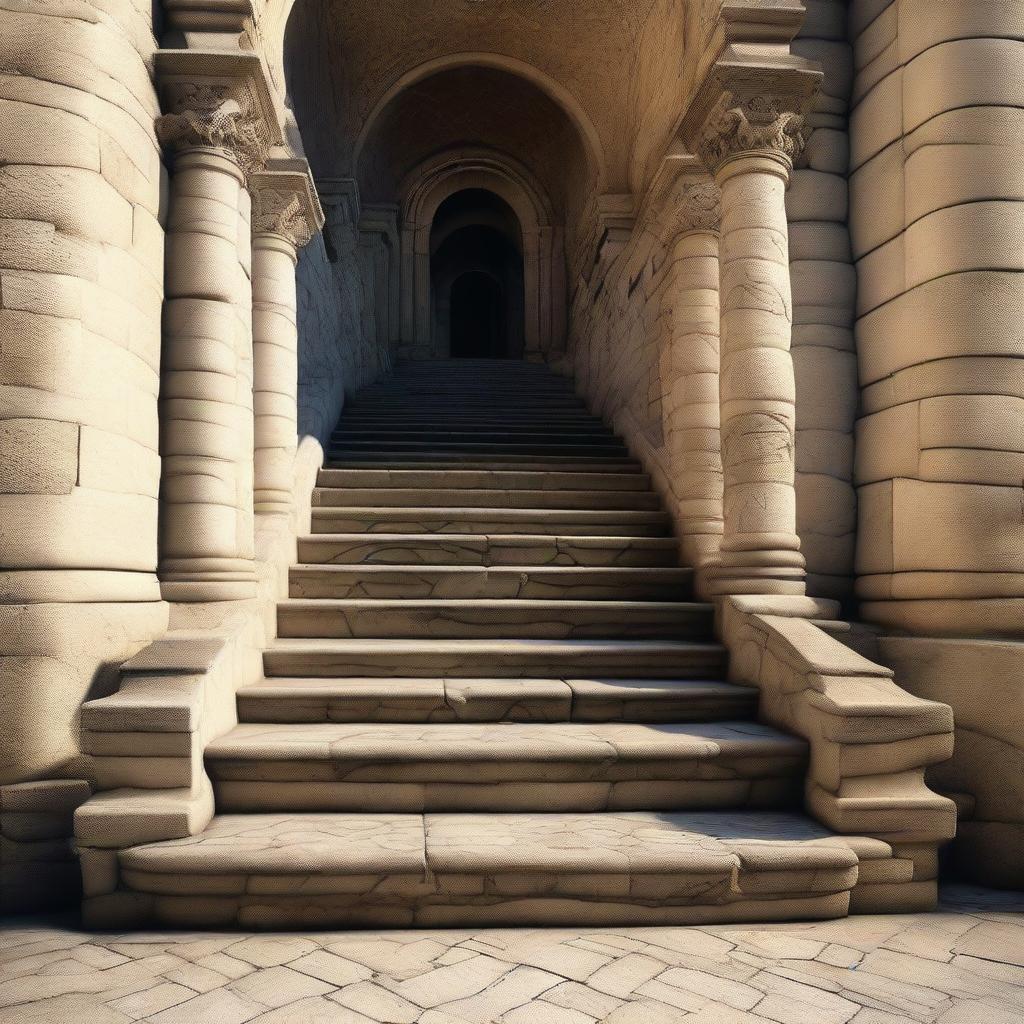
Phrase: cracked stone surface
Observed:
(962, 965)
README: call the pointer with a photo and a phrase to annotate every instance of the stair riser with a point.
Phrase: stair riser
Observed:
(370, 621)
(487, 551)
(465, 664)
(399, 497)
(390, 447)
(636, 900)
(496, 480)
(397, 521)
(554, 703)
(306, 582)
(440, 461)
(342, 791)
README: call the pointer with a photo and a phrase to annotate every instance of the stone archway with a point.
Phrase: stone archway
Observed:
(425, 190)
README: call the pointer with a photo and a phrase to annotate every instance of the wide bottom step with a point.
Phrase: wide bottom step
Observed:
(345, 870)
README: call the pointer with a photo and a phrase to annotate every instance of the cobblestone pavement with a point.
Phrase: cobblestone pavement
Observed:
(962, 965)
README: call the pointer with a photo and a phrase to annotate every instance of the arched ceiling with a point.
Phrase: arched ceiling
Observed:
(345, 59)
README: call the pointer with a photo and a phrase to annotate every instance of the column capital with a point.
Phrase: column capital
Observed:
(285, 203)
(218, 100)
(752, 110)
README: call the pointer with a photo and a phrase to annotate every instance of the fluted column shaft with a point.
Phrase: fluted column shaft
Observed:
(206, 522)
(760, 550)
(276, 368)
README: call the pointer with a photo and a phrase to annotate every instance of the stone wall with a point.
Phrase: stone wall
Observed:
(824, 289)
(338, 348)
(81, 285)
(936, 222)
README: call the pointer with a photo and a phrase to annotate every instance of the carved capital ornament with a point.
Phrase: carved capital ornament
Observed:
(285, 203)
(759, 124)
(216, 100)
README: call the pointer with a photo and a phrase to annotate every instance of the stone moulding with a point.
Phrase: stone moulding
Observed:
(220, 99)
(870, 741)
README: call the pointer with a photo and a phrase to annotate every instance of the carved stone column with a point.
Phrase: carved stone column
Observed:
(218, 125)
(286, 215)
(689, 367)
(749, 140)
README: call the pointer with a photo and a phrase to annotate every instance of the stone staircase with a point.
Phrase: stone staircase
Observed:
(493, 699)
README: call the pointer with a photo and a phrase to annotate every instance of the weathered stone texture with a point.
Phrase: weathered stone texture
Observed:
(824, 287)
(935, 227)
(81, 282)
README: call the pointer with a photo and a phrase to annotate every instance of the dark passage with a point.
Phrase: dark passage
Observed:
(479, 318)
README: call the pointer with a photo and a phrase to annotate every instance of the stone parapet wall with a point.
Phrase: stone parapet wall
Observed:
(870, 740)
(936, 222)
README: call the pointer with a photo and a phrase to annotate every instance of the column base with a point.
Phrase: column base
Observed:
(725, 579)
(186, 581)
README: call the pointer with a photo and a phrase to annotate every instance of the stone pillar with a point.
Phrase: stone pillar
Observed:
(286, 215)
(749, 140)
(690, 374)
(206, 515)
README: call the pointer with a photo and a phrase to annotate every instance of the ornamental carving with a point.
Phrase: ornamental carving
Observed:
(696, 206)
(214, 115)
(285, 203)
(760, 123)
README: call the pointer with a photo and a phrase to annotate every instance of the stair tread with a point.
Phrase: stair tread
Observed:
(484, 699)
(507, 743)
(610, 843)
(498, 647)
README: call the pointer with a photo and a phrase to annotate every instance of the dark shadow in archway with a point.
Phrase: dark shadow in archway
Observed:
(476, 272)
(479, 318)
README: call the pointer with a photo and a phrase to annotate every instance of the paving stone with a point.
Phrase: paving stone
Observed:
(622, 977)
(221, 1006)
(377, 1003)
(277, 986)
(152, 1000)
(331, 968)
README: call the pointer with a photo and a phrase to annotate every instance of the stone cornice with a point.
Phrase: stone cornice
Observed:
(285, 203)
(218, 99)
(340, 197)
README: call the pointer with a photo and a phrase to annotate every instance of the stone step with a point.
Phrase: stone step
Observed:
(472, 581)
(487, 417)
(478, 448)
(535, 659)
(346, 434)
(493, 479)
(405, 549)
(505, 766)
(338, 871)
(480, 497)
(484, 618)
(449, 460)
(494, 700)
(561, 522)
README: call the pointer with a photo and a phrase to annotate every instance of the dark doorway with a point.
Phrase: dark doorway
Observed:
(479, 318)
(476, 270)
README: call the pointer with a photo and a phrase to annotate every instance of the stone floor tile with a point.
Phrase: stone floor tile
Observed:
(573, 996)
(229, 966)
(69, 1009)
(534, 1013)
(271, 951)
(644, 1011)
(456, 981)
(199, 979)
(222, 1006)
(677, 997)
(315, 1010)
(840, 956)
(997, 940)
(278, 986)
(722, 990)
(980, 1012)
(377, 1003)
(520, 986)
(152, 1000)
(625, 975)
(777, 945)
(786, 1010)
(329, 967)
